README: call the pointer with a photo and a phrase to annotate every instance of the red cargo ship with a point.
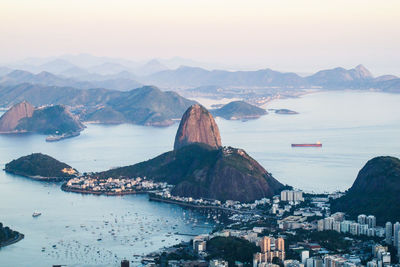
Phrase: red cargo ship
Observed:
(318, 144)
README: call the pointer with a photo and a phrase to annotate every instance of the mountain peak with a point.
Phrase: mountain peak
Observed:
(197, 126)
(362, 71)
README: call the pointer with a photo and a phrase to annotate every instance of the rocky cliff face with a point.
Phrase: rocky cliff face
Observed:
(375, 191)
(197, 126)
(9, 121)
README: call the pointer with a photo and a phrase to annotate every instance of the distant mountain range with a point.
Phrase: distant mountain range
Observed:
(122, 81)
(338, 78)
(87, 71)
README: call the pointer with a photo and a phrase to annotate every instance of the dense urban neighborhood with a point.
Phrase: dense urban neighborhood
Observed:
(293, 229)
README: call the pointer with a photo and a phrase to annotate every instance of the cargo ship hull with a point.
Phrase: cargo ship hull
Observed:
(306, 145)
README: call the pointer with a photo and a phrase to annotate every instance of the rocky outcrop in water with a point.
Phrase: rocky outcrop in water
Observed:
(199, 167)
(197, 126)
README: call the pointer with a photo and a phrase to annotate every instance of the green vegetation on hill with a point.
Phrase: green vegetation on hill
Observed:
(37, 164)
(376, 191)
(50, 120)
(199, 171)
(239, 110)
(232, 249)
(149, 105)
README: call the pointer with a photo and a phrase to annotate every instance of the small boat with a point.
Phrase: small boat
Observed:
(36, 214)
(318, 144)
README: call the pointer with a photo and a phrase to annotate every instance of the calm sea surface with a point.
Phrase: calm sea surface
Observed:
(90, 230)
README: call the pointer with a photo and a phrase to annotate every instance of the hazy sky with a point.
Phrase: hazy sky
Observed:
(298, 35)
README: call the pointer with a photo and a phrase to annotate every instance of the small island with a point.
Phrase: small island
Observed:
(8, 236)
(41, 167)
(239, 110)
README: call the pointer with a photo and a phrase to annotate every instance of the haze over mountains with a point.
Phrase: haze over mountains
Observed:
(86, 71)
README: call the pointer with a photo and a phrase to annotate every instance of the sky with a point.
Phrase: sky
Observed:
(299, 35)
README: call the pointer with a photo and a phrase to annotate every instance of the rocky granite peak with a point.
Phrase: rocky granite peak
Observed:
(197, 126)
(10, 120)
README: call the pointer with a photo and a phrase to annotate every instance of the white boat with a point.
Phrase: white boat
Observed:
(36, 214)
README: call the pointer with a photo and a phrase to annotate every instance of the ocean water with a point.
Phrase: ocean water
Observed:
(352, 126)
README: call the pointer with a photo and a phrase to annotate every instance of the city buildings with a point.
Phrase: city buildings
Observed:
(292, 195)
(388, 233)
(270, 248)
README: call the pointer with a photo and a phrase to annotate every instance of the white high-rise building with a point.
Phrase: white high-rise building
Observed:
(388, 233)
(362, 219)
(345, 226)
(305, 254)
(355, 228)
(284, 195)
(328, 223)
(336, 226)
(371, 221)
(291, 195)
(320, 225)
(363, 229)
(396, 229)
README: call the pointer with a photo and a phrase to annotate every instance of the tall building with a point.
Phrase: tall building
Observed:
(265, 244)
(362, 219)
(345, 226)
(280, 244)
(388, 233)
(284, 195)
(291, 195)
(320, 226)
(371, 221)
(328, 223)
(336, 226)
(355, 228)
(314, 262)
(396, 229)
(267, 253)
(305, 254)
(363, 229)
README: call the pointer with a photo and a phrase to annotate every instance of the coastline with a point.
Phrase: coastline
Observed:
(38, 178)
(152, 197)
(19, 237)
(65, 188)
